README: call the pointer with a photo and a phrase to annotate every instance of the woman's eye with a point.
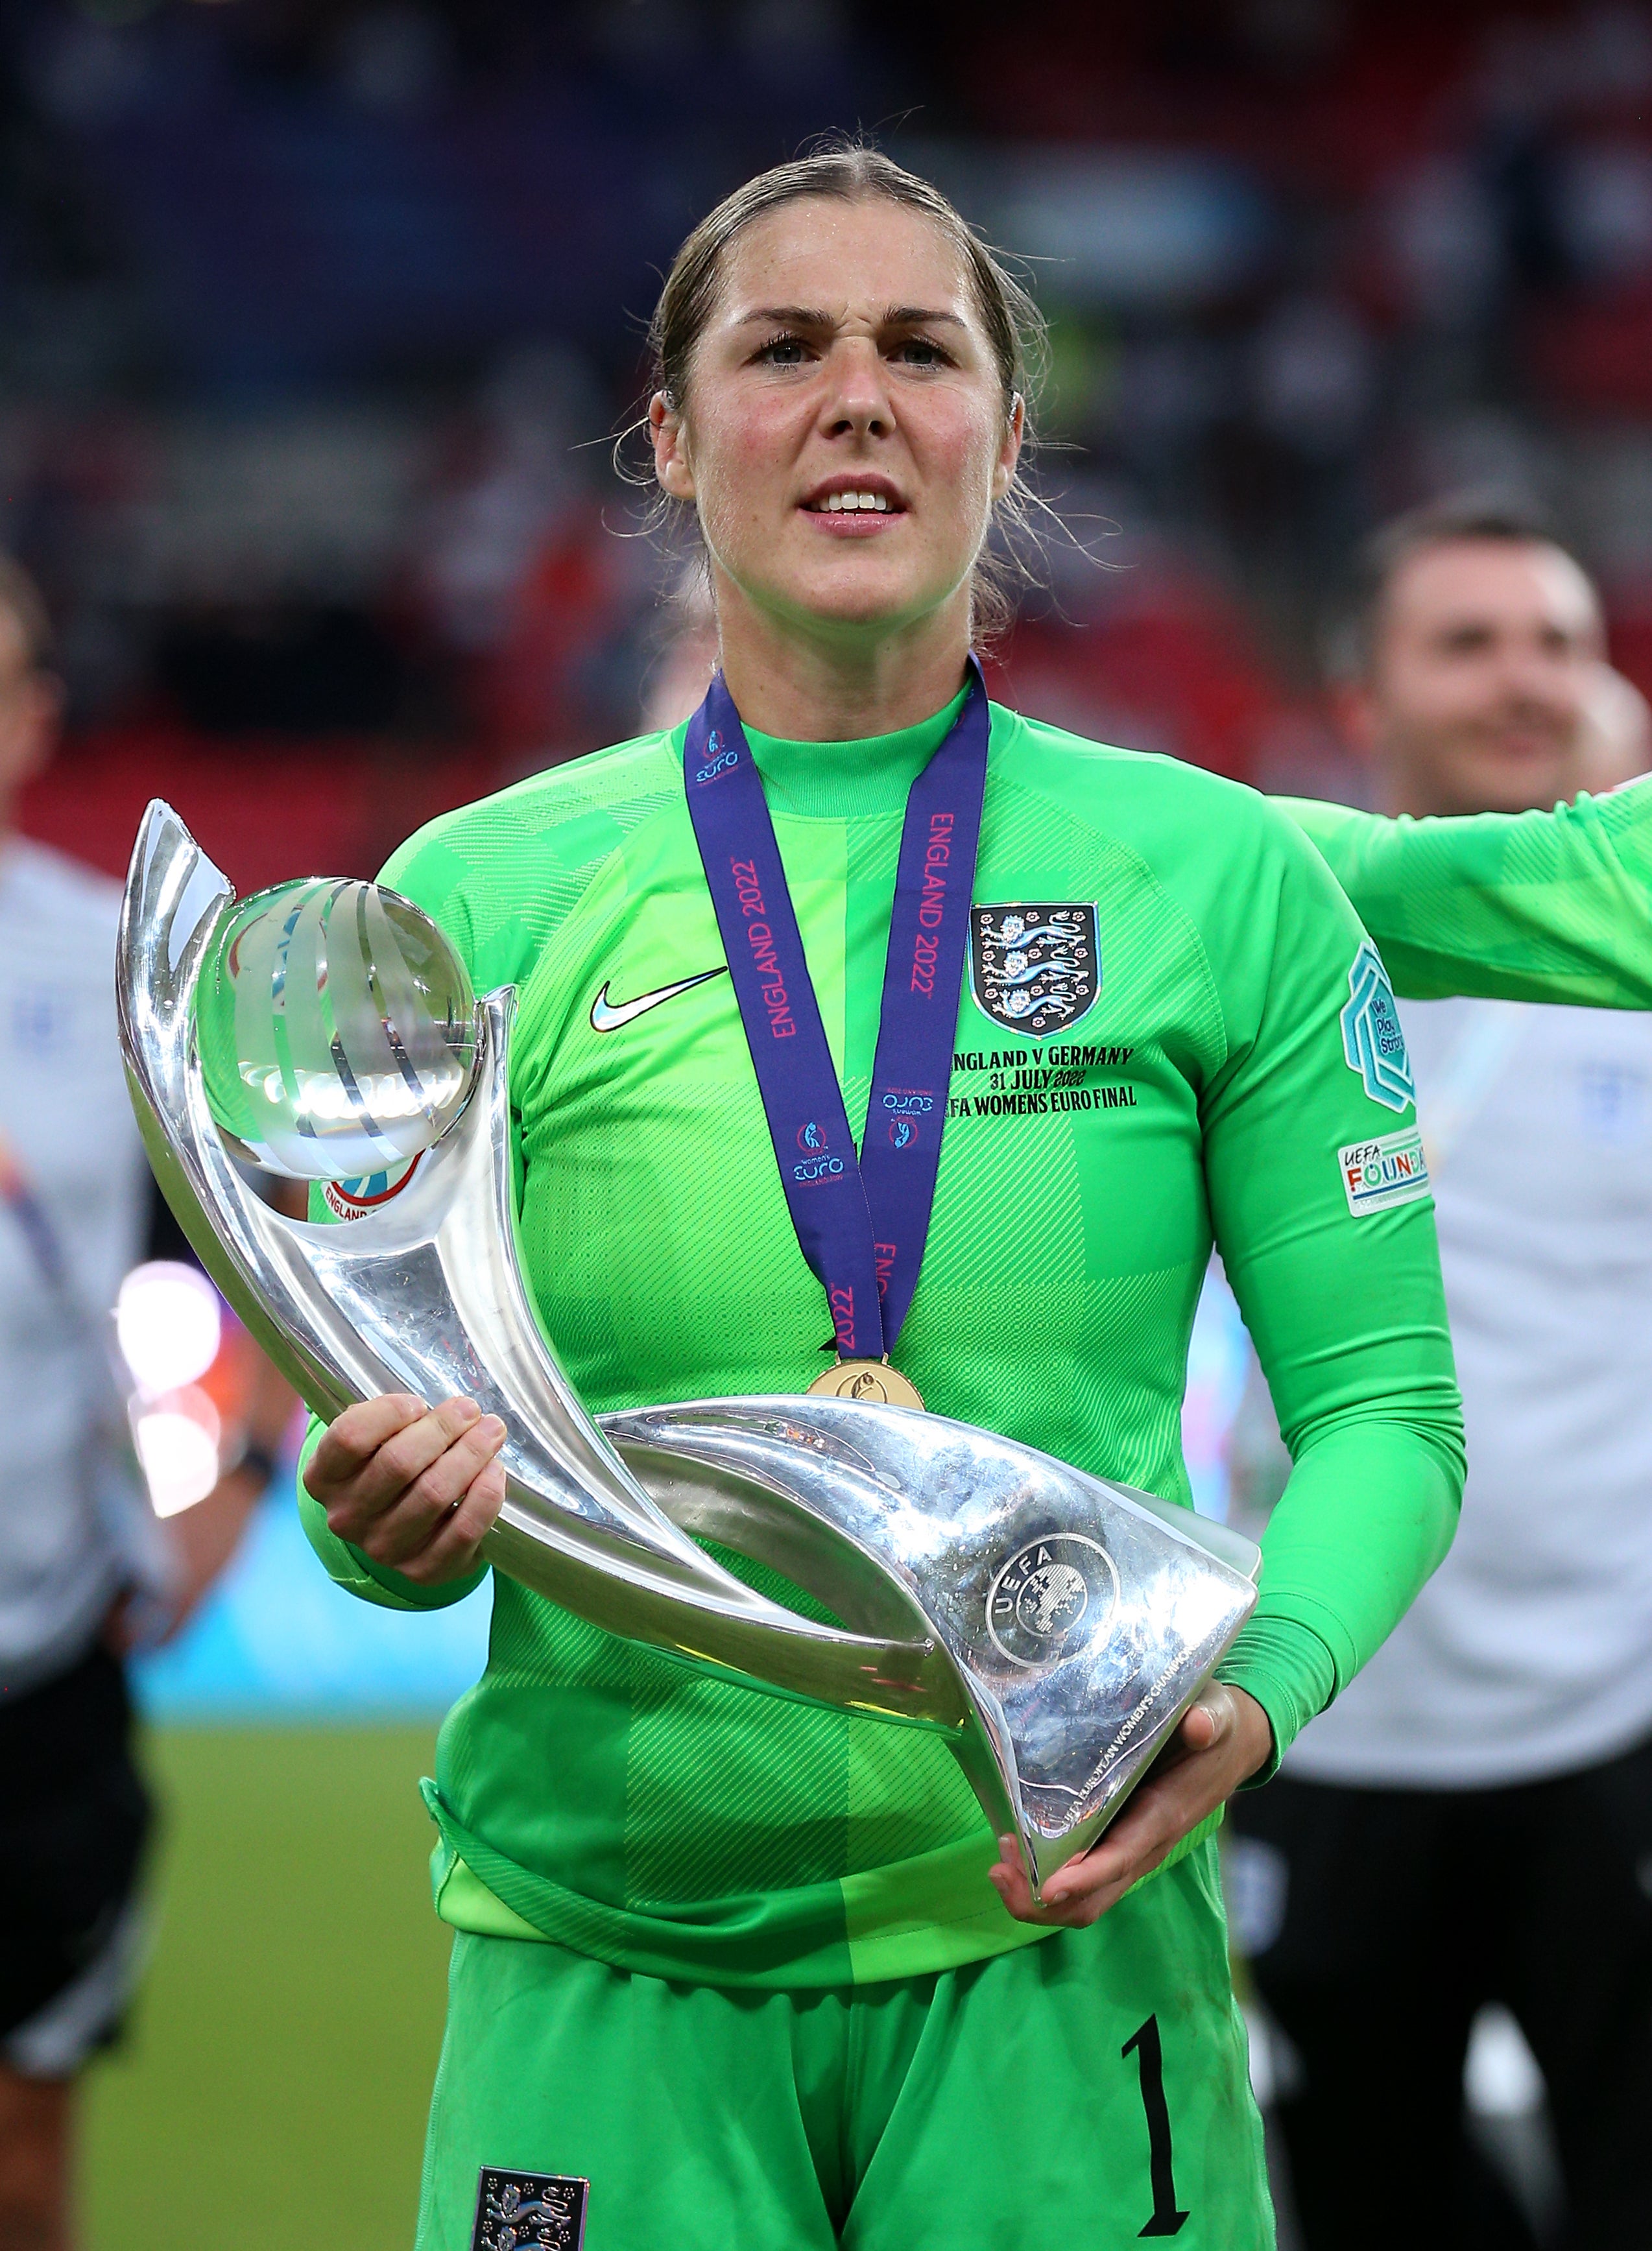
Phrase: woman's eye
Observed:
(921, 351)
(784, 351)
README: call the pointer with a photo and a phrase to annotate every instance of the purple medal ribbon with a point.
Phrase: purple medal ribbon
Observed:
(861, 1221)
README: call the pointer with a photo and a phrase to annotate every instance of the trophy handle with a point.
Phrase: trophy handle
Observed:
(425, 1294)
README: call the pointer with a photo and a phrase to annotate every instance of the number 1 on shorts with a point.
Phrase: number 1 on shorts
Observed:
(1150, 2055)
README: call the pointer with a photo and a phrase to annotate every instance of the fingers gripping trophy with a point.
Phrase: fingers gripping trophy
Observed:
(1054, 1626)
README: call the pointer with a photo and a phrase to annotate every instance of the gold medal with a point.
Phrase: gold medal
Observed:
(871, 1380)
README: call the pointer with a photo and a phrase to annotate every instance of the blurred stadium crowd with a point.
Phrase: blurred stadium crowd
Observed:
(316, 321)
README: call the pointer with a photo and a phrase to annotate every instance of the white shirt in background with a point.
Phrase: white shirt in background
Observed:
(1529, 1652)
(73, 1526)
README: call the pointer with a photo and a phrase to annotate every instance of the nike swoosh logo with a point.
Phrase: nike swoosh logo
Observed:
(605, 1019)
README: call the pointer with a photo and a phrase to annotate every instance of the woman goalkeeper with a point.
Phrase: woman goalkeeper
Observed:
(733, 1969)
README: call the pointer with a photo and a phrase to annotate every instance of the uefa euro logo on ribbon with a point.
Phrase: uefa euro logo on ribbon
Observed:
(1053, 1626)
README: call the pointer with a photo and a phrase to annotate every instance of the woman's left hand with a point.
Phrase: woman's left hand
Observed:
(1222, 1739)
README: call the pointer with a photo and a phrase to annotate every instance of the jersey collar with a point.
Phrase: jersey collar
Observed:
(845, 781)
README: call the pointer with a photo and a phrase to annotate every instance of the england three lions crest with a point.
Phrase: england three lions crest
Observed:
(1035, 966)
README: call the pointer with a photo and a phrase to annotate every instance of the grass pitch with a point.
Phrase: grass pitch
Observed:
(271, 2093)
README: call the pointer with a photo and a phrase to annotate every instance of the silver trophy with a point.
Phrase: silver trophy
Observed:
(1053, 1626)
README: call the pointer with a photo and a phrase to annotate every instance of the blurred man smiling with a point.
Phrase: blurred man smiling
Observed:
(1471, 1821)
(1479, 646)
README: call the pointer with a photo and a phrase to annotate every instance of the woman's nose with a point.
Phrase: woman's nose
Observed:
(857, 395)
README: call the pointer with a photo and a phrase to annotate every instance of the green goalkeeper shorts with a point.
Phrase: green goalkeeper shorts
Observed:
(1081, 2093)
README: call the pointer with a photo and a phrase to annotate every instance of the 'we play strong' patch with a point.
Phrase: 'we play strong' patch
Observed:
(1379, 1175)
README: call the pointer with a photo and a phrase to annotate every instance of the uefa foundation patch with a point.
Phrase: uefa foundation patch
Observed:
(1379, 1175)
(529, 2211)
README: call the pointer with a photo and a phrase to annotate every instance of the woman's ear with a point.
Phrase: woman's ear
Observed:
(671, 469)
(1003, 469)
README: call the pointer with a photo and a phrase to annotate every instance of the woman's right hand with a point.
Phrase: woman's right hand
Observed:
(414, 1488)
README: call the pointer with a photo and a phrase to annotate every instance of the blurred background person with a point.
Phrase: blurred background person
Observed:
(86, 1568)
(1471, 1822)
(675, 684)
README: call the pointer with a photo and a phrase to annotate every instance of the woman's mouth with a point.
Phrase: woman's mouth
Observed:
(851, 502)
(854, 510)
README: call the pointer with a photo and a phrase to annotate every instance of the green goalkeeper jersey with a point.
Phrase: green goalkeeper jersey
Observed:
(1522, 906)
(1230, 1069)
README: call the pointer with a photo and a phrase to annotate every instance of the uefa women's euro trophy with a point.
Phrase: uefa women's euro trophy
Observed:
(1053, 1626)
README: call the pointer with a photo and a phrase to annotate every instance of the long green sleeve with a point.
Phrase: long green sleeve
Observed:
(1342, 1295)
(1528, 907)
